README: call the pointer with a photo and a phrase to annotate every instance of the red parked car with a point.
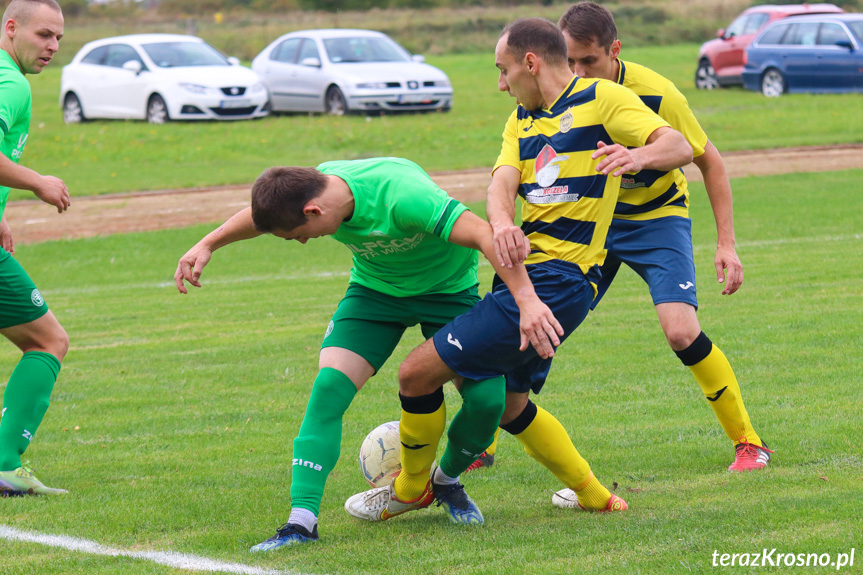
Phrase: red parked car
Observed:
(721, 61)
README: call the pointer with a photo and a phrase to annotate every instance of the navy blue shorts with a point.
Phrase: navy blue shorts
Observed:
(483, 343)
(660, 251)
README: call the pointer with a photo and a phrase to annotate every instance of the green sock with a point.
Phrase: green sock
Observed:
(25, 402)
(317, 447)
(473, 427)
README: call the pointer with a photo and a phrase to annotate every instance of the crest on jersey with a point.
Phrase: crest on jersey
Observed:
(566, 121)
(548, 166)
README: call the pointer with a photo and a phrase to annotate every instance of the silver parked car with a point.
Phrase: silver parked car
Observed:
(339, 71)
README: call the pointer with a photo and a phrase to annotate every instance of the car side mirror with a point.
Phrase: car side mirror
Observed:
(720, 33)
(132, 66)
(311, 62)
(234, 61)
(418, 58)
(846, 44)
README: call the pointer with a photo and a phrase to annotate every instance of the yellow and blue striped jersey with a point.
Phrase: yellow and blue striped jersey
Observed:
(652, 194)
(567, 205)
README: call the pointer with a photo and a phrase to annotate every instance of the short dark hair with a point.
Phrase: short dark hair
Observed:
(22, 10)
(587, 22)
(280, 194)
(536, 35)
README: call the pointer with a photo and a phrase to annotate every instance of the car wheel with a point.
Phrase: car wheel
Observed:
(335, 102)
(73, 113)
(772, 83)
(705, 76)
(157, 110)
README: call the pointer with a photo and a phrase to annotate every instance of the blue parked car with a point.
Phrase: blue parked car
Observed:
(821, 53)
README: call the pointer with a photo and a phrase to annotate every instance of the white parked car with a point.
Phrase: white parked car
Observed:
(339, 71)
(159, 77)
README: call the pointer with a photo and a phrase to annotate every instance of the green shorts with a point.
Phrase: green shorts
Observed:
(20, 301)
(371, 323)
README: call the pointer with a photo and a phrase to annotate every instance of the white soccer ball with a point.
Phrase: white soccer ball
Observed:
(380, 455)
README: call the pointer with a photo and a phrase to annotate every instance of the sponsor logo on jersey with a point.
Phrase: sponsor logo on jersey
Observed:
(309, 464)
(547, 166)
(27, 435)
(370, 250)
(36, 298)
(22, 141)
(630, 183)
(451, 340)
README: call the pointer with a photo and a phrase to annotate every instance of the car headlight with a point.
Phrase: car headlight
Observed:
(372, 86)
(259, 87)
(195, 88)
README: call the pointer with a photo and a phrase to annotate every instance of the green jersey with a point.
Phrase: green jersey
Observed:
(14, 114)
(399, 229)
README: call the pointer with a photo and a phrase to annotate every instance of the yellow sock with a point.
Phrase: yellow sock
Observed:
(493, 447)
(592, 495)
(547, 441)
(420, 434)
(717, 381)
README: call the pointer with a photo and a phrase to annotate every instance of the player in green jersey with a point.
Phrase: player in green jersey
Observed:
(30, 37)
(414, 262)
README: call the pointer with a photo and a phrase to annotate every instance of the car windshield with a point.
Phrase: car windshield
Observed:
(181, 54)
(364, 49)
(856, 27)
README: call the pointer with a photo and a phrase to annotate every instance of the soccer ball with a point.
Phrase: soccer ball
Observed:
(380, 455)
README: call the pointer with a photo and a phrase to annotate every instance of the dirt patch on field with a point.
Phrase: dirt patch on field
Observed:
(33, 221)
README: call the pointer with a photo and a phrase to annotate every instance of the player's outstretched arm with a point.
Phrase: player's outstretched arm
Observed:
(510, 244)
(49, 189)
(729, 269)
(538, 325)
(666, 149)
(238, 227)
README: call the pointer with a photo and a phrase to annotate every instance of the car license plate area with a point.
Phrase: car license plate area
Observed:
(241, 103)
(414, 99)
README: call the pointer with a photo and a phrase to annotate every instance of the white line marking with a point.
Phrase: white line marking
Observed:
(168, 558)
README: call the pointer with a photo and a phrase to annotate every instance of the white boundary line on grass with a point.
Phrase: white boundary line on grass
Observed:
(168, 558)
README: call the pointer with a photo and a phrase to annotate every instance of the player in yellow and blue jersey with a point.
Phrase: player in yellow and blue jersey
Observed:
(565, 148)
(651, 231)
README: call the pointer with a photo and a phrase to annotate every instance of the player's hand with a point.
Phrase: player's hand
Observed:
(190, 266)
(729, 270)
(53, 191)
(6, 241)
(539, 328)
(511, 246)
(618, 159)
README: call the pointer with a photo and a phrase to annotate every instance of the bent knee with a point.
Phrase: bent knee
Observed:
(679, 338)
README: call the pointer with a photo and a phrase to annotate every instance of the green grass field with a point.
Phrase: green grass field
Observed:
(173, 418)
(117, 156)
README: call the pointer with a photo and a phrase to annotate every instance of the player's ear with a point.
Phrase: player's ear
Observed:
(312, 209)
(615, 49)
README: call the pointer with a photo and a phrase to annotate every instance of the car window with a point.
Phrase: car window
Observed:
(180, 54)
(773, 36)
(286, 51)
(830, 34)
(736, 27)
(96, 56)
(801, 34)
(119, 54)
(857, 28)
(364, 49)
(754, 23)
(308, 50)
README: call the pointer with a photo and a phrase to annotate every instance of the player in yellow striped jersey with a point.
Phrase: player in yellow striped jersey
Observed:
(653, 211)
(564, 150)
